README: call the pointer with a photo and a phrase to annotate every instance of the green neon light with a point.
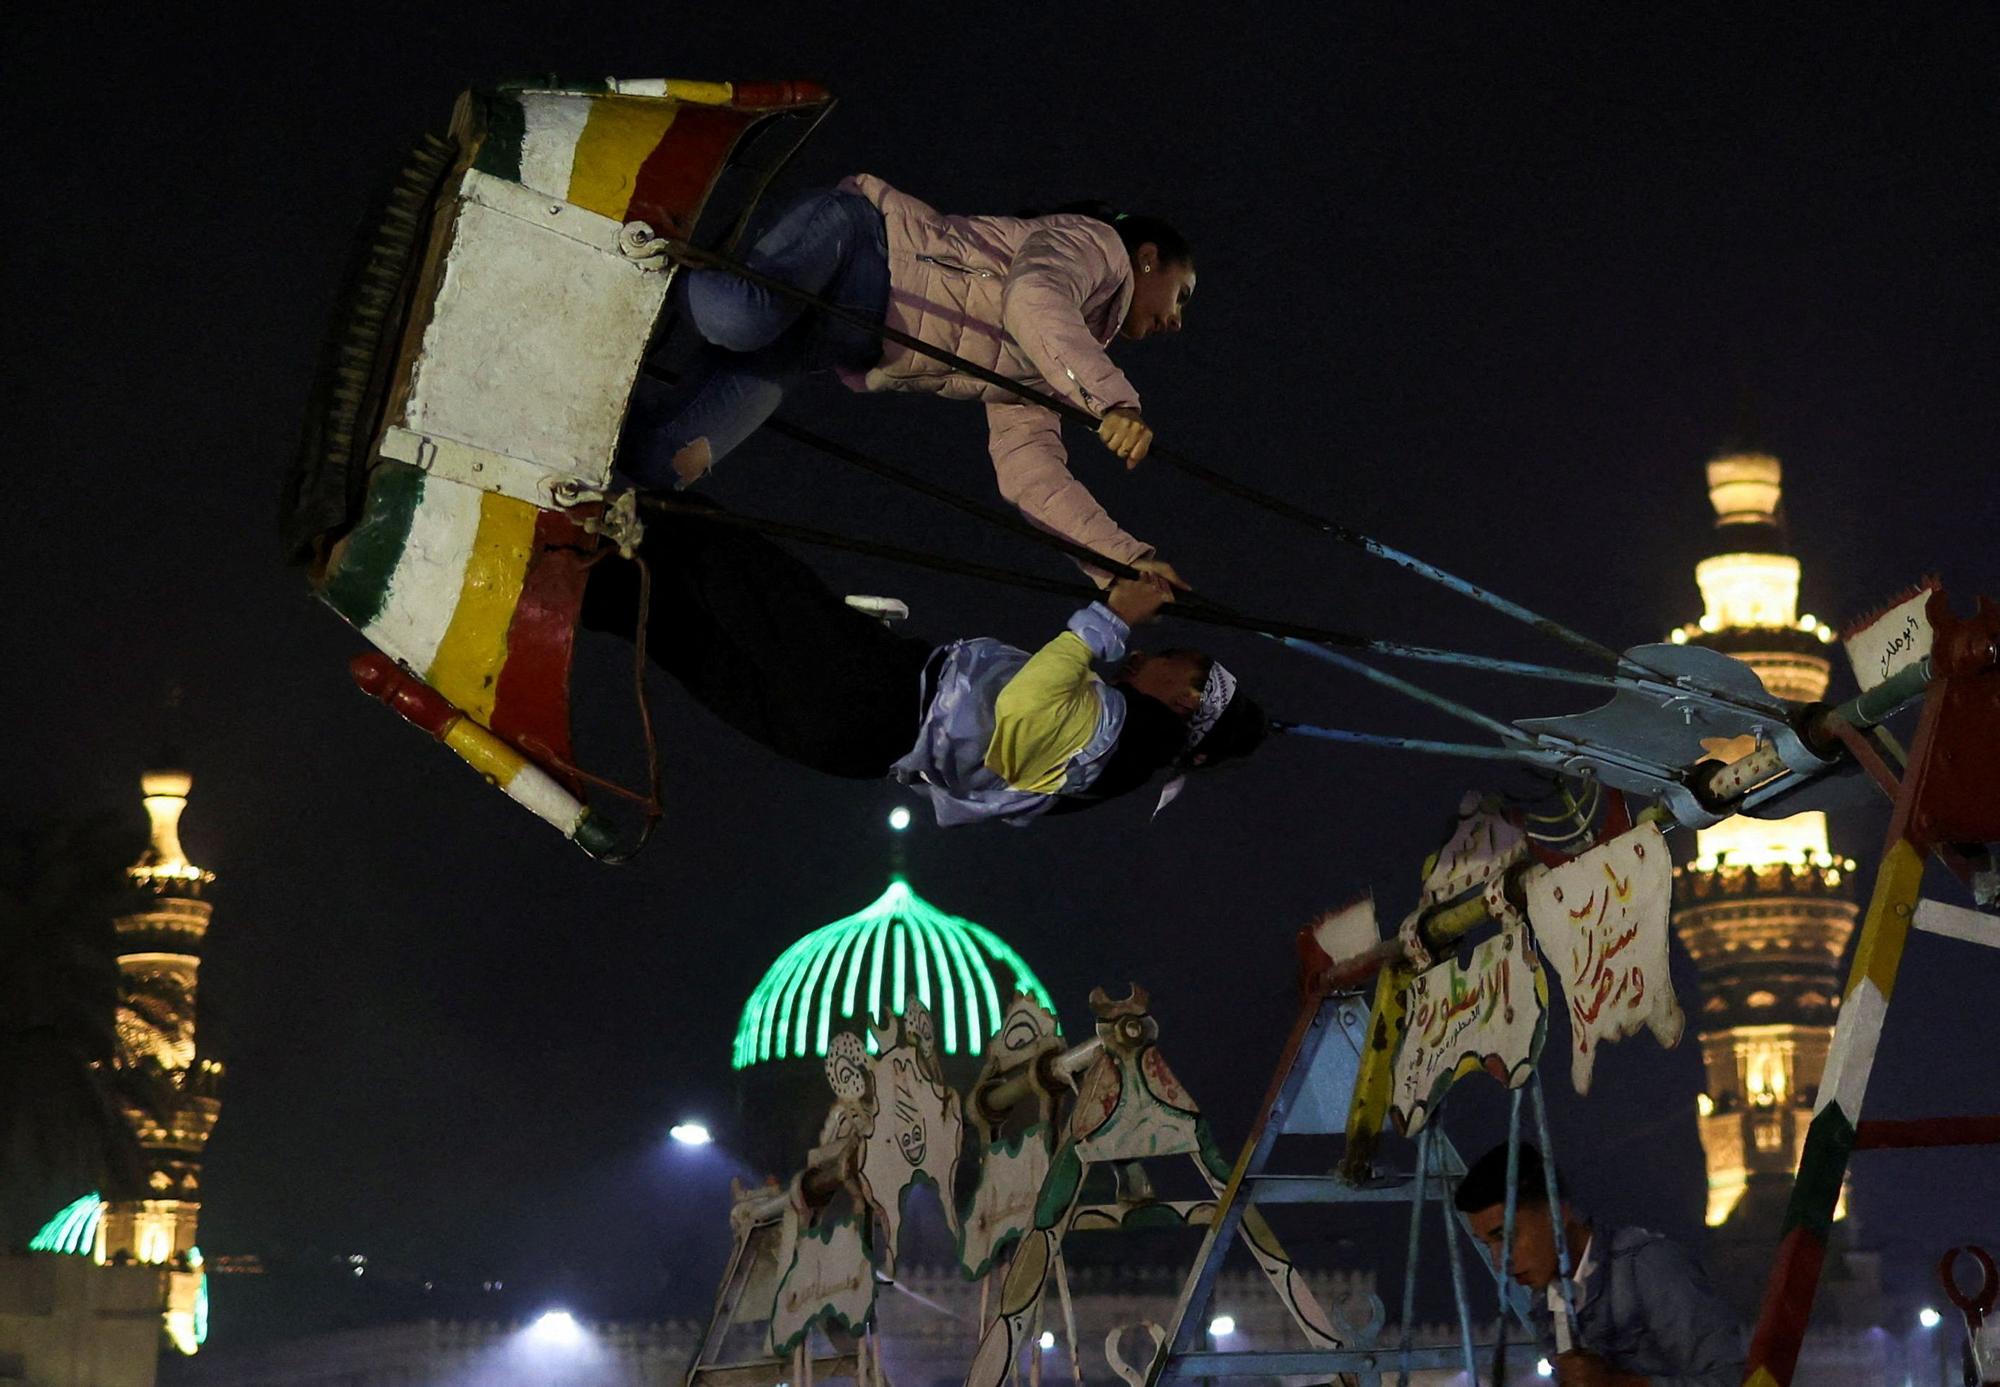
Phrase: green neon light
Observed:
(948, 1004)
(876, 953)
(900, 993)
(920, 960)
(200, 1296)
(907, 946)
(73, 1231)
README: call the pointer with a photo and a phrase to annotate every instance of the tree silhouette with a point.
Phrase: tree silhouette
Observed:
(65, 1080)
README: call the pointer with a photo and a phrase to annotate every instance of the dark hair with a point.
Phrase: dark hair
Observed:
(1486, 1183)
(1239, 731)
(1134, 229)
(1154, 738)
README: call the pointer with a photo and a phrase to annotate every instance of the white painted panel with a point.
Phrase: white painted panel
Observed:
(423, 591)
(534, 342)
(548, 145)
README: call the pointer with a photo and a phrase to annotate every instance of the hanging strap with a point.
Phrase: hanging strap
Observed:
(697, 258)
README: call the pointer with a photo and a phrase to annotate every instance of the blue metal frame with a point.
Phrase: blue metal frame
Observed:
(1310, 1095)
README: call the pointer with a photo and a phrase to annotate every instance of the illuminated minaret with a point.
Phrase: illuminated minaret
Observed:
(159, 961)
(1764, 907)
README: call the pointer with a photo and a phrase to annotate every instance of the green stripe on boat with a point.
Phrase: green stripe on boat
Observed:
(359, 585)
(500, 147)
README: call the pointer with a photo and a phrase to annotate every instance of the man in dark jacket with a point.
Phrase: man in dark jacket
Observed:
(1646, 1315)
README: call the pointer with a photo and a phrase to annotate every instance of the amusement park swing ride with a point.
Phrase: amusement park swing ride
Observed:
(456, 485)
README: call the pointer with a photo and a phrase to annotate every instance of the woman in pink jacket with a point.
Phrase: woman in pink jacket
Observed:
(1036, 299)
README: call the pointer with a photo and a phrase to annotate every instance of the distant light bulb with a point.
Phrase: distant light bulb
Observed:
(1704, 1104)
(1048, 1340)
(690, 1134)
(1544, 1368)
(1222, 1326)
(899, 818)
(1929, 1318)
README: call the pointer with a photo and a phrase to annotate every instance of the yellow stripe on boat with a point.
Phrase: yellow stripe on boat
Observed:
(611, 151)
(527, 784)
(678, 88)
(466, 669)
(700, 93)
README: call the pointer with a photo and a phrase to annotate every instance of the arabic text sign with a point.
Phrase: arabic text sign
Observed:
(1893, 641)
(830, 1280)
(1003, 1206)
(1601, 921)
(1488, 1012)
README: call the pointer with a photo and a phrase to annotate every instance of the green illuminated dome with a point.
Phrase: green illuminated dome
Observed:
(73, 1230)
(899, 947)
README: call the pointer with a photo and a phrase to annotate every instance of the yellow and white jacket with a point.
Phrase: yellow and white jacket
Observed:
(1007, 732)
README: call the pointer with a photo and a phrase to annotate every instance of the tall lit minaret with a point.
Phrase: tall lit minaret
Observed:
(159, 961)
(1764, 907)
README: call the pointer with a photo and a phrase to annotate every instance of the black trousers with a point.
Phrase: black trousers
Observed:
(762, 643)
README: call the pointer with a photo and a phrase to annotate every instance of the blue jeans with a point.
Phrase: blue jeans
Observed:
(830, 243)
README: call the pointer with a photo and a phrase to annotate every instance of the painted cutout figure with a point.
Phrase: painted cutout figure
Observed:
(1488, 1012)
(1602, 923)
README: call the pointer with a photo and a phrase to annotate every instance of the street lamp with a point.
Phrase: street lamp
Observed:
(899, 818)
(1929, 1318)
(690, 1133)
(1222, 1326)
(556, 1327)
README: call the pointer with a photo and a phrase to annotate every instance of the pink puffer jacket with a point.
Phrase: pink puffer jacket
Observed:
(1037, 300)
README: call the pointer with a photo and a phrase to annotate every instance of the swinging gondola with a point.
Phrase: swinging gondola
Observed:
(454, 484)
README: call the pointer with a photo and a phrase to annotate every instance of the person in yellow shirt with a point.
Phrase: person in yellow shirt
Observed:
(984, 730)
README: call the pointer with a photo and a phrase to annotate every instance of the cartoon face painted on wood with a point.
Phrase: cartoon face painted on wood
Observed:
(847, 1074)
(916, 1128)
(1602, 924)
(1488, 1012)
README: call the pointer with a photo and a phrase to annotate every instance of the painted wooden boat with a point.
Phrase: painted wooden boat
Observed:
(454, 484)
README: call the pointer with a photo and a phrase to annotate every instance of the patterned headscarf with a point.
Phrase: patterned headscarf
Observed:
(1216, 693)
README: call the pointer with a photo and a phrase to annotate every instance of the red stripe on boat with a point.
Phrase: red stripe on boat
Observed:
(769, 94)
(531, 702)
(678, 173)
(409, 697)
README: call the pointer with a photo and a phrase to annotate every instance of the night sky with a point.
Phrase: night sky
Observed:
(1486, 284)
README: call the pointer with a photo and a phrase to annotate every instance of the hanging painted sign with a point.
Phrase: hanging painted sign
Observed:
(829, 1281)
(1482, 846)
(1489, 1011)
(1337, 936)
(916, 1130)
(1601, 921)
(1892, 640)
(1003, 1207)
